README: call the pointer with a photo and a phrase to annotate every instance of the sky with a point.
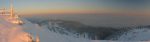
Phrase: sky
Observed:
(77, 6)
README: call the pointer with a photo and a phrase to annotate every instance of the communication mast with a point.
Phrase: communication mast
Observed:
(11, 8)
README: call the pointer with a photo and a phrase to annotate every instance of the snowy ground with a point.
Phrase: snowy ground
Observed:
(12, 33)
(135, 35)
(49, 36)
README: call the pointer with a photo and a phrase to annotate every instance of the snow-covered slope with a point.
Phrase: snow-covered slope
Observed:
(136, 35)
(20, 33)
(120, 38)
(49, 36)
(11, 32)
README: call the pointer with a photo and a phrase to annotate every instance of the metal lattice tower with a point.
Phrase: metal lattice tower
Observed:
(11, 8)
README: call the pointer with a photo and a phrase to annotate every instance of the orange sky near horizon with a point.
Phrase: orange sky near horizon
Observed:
(78, 6)
(82, 11)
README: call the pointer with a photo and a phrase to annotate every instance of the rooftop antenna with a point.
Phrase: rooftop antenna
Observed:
(11, 8)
